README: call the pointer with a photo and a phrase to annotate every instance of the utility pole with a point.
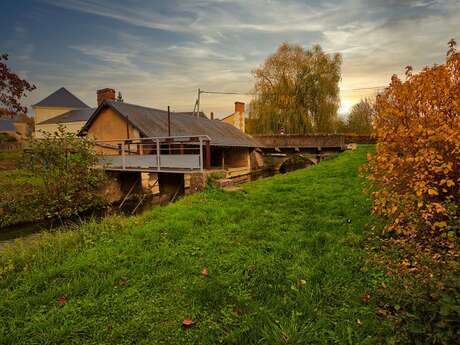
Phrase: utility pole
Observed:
(198, 103)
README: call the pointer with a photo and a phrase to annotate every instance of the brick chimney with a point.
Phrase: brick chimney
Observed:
(106, 94)
(239, 107)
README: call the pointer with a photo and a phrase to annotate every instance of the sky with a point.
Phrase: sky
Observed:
(158, 53)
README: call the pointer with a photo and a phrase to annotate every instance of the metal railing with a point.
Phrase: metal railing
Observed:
(172, 153)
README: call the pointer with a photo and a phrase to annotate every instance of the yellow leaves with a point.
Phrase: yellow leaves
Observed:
(440, 225)
(438, 207)
(416, 170)
(448, 182)
(432, 192)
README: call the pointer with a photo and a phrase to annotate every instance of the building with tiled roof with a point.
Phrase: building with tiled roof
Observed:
(60, 108)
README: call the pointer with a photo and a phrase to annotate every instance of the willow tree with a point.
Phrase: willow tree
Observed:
(297, 91)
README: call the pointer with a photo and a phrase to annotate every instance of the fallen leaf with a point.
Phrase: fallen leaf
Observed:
(382, 312)
(122, 282)
(61, 300)
(237, 311)
(187, 323)
(366, 298)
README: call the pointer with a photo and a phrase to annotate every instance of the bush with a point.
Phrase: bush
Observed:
(64, 164)
(211, 179)
(6, 138)
(416, 169)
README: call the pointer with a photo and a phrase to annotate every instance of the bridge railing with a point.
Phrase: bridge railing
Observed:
(168, 154)
(301, 140)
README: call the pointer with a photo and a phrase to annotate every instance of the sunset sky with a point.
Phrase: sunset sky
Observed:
(157, 53)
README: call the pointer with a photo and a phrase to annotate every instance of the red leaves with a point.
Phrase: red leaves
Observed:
(12, 88)
(62, 300)
(366, 298)
(187, 323)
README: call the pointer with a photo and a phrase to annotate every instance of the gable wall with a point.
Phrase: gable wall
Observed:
(237, 120)
(109, 125)
(72, 127)
(45, 113)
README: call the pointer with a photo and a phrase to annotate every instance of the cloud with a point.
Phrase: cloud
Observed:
(161, 52)
(130, 14)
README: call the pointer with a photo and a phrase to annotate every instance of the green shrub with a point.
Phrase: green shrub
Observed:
(211, 179)
(65, 182)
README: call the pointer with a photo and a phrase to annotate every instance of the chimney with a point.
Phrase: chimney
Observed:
(106, 94)
(212, 115)
(239, 107)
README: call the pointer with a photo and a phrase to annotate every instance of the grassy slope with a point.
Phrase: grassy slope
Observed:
(285, 266)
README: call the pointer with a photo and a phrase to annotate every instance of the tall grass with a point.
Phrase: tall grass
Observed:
(285, 263)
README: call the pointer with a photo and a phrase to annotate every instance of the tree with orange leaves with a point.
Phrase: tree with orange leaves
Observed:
(416, 169)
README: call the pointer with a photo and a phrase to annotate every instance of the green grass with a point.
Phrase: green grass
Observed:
(286, 266)
(14, 155)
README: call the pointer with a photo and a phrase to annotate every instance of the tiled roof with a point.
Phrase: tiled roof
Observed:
(62, 98)
(190, 113)
(77, 115)
(154, 123)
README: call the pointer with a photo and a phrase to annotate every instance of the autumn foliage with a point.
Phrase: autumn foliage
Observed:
(12, 88)
(416, 169)
(296, 92)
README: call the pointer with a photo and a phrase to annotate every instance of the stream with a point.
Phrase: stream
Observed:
(29, 231)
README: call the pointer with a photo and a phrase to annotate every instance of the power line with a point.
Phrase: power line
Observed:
(196, 108)
(227, 93)
(365, 88)
(252, 94)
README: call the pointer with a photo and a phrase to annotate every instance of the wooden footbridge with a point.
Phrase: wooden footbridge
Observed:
(173, 154)
(183, 154)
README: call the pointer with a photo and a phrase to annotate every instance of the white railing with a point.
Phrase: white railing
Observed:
(174, 153)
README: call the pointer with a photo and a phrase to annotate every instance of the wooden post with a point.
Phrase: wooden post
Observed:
(169, 130)
(208, 155)
(123, 158)
(198, 107)
(169, 122)
(223, 159)
(158, 154)
(201, 154)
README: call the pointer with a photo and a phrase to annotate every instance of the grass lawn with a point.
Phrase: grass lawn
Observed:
(285, 259)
